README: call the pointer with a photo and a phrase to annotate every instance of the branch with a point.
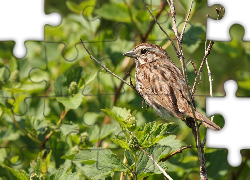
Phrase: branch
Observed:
(163, 4)
(172, 42)
(210, 45)
(189, 12)
(176, 152)
(143, 39)
(58, 124)
(208, 70)
(104, 66)
(162, 170)
(194, 126)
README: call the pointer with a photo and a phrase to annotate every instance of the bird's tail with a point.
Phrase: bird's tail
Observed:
(206, 122)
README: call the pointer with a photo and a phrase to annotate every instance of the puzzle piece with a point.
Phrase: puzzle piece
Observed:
(68, 52)
(232, 108)
(219, 30)
(27, 24)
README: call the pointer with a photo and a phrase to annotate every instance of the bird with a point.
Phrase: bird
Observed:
(161, 84)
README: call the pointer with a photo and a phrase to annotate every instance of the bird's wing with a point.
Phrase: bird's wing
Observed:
(163, 86)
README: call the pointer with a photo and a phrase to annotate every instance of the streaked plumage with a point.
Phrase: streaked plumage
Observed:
(161, 83)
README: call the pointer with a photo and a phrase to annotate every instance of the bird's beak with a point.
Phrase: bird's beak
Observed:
(130, 54)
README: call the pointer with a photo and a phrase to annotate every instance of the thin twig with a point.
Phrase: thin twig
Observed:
(195, 129)
(179, 44)
(103, 65)
(192, 62)
(176, 152)
(144, 37)
(172, 42)
(210, 75)
(210, 45)
(183, 29)
(162, 170)
(63, 114)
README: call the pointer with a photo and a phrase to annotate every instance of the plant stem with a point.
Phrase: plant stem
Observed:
(58, 125)
(26, 133)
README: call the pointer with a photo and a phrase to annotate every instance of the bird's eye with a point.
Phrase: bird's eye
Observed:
(143, 51)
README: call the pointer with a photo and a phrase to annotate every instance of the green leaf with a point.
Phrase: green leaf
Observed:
(19, 174)
(99, 162)
(106, 164)
(40, 164)
(61, 174)
(63, 81)
(123, 117)
(78, 8)
(114, 12)
(171, 142)
(34, 126)
(87, 79)
(217, 156)
(90, 155)
(193, 36)
(150, 133)
(71, 102)
(145, 165)
(129, 156)
(46, 162)
(62, 84)
(14, 159)
(119, 114)
(70, 157)
(120, 142)
(13, 64)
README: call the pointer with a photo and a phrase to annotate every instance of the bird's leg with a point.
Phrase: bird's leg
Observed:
(131, 83)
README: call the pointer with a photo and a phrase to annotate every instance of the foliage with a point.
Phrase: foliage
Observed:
(61, 115)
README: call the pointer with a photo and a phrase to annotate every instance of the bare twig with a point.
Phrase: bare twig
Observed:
(209, 72)
(162, 170)
(192, 62)
(184, 27)
(176, 152)
(210, 45)
(172, 42)
(200, 146)
(104, 66)
(194, 127)
(144, 37)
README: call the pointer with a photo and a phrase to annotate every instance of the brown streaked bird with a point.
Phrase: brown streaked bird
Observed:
(161, 84)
